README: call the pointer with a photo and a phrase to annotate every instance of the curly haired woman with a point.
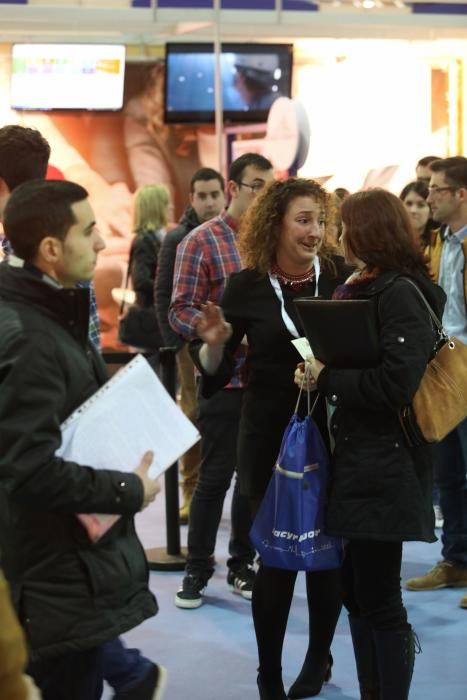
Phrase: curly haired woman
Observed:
(284, 249)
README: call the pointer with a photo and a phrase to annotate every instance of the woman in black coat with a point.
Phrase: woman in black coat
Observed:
(283, 248)
(381, 486)
(150, 219)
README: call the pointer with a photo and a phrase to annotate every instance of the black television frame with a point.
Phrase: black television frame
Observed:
(230, 116)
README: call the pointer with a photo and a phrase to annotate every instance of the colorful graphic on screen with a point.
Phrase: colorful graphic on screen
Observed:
(71, 76)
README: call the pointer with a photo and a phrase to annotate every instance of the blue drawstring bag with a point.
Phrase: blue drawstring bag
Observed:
(288, 529)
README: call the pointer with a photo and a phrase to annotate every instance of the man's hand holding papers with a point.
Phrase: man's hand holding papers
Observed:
(151, 486)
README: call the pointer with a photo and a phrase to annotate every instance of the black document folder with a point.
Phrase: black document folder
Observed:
(343, 332)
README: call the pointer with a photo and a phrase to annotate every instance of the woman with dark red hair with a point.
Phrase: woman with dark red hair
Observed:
(381, 486)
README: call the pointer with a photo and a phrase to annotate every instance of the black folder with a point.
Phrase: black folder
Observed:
(342, 333)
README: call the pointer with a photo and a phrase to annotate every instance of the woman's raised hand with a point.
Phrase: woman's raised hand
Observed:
(212, 327)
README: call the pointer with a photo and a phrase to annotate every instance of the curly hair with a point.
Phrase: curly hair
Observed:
(24, 155)
(260, 229)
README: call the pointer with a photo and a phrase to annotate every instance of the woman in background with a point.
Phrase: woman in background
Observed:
(334, 224)
(414, 196)
(151, 215)
(380, 493)
(284, 249)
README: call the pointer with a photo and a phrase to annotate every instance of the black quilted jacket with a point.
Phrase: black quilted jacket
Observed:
(381, 489)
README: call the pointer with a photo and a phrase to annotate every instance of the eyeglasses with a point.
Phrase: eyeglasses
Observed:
(255, 187)
(435, 190)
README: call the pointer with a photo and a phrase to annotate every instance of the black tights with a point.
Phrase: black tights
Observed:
(272, 597)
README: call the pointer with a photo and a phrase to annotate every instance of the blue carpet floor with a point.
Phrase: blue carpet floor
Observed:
(210, 652)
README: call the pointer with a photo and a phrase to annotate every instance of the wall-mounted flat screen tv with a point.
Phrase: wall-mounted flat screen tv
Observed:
(253, 76)
(67, 76)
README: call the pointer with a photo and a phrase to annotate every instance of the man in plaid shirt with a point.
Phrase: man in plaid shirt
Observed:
(204, 261)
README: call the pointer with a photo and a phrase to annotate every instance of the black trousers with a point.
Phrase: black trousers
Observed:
(74, 676)
(218, 423)
(372, 583)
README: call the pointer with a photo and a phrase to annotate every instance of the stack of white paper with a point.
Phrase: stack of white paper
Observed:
(130, 414)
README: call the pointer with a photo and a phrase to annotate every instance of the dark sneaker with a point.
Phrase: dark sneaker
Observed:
(241, 581)
(190, 594)
(150, 688)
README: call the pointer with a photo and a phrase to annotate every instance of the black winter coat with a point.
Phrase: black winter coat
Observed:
(252, 307)
(144, 256)
(381, 489)
(164, 276)
(70, 594)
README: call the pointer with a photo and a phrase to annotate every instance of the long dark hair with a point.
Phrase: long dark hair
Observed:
(421, 188)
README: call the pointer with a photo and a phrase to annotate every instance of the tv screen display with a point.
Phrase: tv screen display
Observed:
(67, 76)
(253, 76)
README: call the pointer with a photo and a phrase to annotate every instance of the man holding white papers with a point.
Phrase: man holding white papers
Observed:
(71, 594)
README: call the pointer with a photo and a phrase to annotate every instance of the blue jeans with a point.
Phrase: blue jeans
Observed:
(123, 668)
(450, 466)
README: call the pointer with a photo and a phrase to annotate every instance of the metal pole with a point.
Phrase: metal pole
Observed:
(171, 558)
(219, 117)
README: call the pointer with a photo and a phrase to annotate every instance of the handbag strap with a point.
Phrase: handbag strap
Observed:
(127, 279)
(311, 408)
(439, 326)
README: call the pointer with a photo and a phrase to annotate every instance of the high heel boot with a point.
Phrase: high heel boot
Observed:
(271, 689)
(395, 652)
(365, 657)
(310, 680)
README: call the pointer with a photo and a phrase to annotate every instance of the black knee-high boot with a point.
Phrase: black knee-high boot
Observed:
(324, 606)
(395, 653)
(365, 657)
(272, 596)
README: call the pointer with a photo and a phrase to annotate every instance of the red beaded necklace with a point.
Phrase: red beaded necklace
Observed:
(293, 281)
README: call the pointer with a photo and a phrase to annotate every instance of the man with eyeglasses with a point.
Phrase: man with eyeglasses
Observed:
(448, 200)
(204, 261)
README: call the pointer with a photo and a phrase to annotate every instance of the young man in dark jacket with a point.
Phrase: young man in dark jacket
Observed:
(207, 199)
(71, 595)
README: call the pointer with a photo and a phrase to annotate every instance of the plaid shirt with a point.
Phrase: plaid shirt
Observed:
(94, 328)
(94, 325)
(204, 261)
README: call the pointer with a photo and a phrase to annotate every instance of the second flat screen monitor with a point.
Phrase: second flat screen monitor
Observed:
(253, 76)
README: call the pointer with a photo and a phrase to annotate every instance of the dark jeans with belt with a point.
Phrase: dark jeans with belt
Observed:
(450, 465)
(372, 583)
(218, 423)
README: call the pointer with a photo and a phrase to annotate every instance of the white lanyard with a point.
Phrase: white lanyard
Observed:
(289, 324)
